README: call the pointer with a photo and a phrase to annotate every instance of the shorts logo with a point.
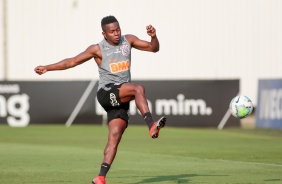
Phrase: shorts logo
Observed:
(125, 50)
(113, 100)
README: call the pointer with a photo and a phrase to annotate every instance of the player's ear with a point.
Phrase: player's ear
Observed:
(104, 35)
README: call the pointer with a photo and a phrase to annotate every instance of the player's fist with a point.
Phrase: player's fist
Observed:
(151, 31)
(40, 70)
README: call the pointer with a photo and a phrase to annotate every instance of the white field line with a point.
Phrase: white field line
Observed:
(80, 103)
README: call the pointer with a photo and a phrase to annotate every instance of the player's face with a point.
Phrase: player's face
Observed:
(112, 33)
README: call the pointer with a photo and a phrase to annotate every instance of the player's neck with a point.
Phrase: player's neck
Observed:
(111, 43)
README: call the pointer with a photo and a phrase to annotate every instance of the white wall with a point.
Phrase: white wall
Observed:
(1, 42)
(200, 39)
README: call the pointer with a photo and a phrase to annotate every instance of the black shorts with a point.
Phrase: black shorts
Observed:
(109, 99)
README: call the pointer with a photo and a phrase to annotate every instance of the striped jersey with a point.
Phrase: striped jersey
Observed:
(116, 61)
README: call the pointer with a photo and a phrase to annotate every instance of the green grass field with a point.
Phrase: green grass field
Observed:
(57, 155)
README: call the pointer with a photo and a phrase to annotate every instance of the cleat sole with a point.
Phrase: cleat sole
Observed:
(161, 123)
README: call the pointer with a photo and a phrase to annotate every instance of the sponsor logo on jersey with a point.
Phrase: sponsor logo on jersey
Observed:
(117, 51)
(110, 53)
(120, 66)
(113, 60)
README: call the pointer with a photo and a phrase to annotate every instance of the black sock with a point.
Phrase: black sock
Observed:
(104, 169)
(149, 119)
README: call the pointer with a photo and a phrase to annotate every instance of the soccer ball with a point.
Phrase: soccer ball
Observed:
(241, 106)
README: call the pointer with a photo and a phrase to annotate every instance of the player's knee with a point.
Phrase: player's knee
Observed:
(140, 89)
(115, 137)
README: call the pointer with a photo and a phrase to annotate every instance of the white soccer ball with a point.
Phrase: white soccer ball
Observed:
(241, 106)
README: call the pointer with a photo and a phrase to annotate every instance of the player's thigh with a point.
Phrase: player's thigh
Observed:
(127, 91)
(116, 127)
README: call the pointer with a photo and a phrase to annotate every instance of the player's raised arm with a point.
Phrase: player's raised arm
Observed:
(152, 46)
(67, 63)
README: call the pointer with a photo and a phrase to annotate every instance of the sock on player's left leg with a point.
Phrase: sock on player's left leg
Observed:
(149, 119)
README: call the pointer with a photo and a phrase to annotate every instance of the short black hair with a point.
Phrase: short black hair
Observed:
(107, 20)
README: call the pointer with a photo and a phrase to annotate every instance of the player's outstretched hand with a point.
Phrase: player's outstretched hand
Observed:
(40, 70)
(151, 31)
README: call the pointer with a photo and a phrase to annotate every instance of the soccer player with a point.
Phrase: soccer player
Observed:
(113, 57)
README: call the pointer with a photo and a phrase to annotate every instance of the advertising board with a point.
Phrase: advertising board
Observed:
(194, 103)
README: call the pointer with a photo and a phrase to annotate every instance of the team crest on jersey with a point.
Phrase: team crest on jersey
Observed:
(125, 50)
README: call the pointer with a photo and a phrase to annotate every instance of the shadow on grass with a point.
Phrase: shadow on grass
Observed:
(273, 180)
(180, 178)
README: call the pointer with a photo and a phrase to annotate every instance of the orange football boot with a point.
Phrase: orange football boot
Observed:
(99, 180)
(155, 128)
